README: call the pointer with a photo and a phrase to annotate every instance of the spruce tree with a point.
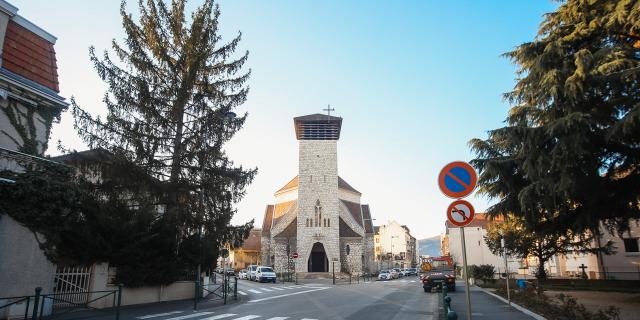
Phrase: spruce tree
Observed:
(169, 96)
(569, 155)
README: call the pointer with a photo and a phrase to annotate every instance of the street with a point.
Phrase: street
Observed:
(396, 299)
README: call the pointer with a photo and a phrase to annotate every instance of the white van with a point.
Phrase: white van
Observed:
(251, 272)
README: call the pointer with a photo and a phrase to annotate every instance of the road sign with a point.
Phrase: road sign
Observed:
(460, 213)
(457, 179)
(295, 255)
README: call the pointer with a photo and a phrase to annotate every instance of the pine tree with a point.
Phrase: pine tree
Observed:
(168, 100)
(569, 156)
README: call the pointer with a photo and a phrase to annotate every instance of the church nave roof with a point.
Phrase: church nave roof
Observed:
(293, 184)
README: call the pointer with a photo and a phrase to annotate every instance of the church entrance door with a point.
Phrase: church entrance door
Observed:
(318, 261)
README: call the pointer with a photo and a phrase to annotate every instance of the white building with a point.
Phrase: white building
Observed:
(395, 247)
(478, 252)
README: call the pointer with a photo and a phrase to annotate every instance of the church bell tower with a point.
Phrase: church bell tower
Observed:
(318, 204)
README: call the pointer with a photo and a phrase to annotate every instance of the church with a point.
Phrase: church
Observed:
(318, 215)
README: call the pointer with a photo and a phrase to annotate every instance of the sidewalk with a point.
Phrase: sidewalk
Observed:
(483, 305)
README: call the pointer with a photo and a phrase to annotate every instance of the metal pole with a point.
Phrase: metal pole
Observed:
(119, 301)
(36, 300)
(506, 270)
(195, 295)
(466, 275)
(333, 270)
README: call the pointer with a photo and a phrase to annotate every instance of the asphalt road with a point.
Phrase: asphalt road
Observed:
(400, 299)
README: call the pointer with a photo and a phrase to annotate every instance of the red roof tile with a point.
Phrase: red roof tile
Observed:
(29, 55)
(252, 243)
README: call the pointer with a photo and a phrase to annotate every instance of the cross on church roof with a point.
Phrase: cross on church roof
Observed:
(329, 109)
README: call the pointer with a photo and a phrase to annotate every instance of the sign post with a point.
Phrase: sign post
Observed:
(460, 213)
(457, 180)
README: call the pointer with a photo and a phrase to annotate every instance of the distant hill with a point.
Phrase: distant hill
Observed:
(429, 246)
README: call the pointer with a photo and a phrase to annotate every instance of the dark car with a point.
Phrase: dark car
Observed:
(437, 280)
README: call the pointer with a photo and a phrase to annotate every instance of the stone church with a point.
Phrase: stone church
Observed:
(317, 214)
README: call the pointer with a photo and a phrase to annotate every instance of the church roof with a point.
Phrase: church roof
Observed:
(368, 222)
(280, 209)
(346, 231)
(317, 127)
(354, 209)
(267, 221)
(290, 231)
(317, 117)
(293, 184)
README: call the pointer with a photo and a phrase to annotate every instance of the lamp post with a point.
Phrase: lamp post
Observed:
(229, 115)
(393, 257)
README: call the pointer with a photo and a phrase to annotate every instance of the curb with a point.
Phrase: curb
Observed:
(518, 307)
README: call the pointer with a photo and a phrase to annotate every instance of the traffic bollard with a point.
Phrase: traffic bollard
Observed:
(119, 301)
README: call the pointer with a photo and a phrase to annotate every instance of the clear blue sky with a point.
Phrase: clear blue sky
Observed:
(413, 80)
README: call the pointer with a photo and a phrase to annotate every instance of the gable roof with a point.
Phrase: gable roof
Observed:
(267, 221)
(253, 242)
(354, 209)
(293, 184)
(346, 231)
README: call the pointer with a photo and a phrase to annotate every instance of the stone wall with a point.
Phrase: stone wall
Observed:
(280, 252)
(318, 180)
(352, 262)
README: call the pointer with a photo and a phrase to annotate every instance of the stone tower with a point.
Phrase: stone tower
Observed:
(318, 237)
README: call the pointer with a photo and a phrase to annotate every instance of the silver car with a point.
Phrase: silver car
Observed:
(243, 274)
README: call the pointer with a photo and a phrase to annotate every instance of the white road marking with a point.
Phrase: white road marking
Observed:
(265, 289)
(289, 294)
(308, 319)
(290, 287)
(276, 288)
(278, 318)
(220, 316)
(199, 314)
(254, 291)
(249, 317)
(159, 315)
(242, 293)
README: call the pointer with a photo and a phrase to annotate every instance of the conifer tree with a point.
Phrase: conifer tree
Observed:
(170, 92)
(569, 155)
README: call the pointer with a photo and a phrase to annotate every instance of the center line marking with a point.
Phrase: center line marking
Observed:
(289, 294)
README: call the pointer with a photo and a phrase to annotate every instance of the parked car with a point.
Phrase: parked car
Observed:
(384, 275)
(393, 273)
(243, 274)
(230, 272)
(251, 270)
(265, 274)
(398, 272)
(412, 271)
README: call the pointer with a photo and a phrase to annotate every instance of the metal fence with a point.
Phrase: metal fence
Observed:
(225, 288)
(35, 304)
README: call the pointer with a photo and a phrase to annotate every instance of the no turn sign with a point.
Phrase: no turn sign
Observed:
(460, 213)
(294, 255)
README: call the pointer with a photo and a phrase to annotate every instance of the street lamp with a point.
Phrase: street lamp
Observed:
(393, 257)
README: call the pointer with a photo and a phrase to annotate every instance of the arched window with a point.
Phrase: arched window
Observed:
(306, 222)
(348, 249)
(318, 215)
(329, 223)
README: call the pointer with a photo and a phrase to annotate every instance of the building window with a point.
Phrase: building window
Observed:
(329, 223)
(631, 245)
(348, 249)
